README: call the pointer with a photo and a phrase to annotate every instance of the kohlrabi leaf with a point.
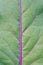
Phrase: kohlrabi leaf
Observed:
(9, 32)
(32, 27)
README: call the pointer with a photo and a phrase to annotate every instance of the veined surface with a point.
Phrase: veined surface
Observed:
(9, 32)
(32, 27)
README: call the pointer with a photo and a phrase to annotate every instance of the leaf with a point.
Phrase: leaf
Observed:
(32, 27)
(9, 32)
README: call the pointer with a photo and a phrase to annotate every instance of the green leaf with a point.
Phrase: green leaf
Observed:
(32, 27)
(9, 32)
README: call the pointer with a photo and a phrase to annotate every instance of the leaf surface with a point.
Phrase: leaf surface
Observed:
(9, 32)
(32, 27)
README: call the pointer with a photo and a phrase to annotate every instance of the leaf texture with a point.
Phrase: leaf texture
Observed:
(32, 27)
(9, 32)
